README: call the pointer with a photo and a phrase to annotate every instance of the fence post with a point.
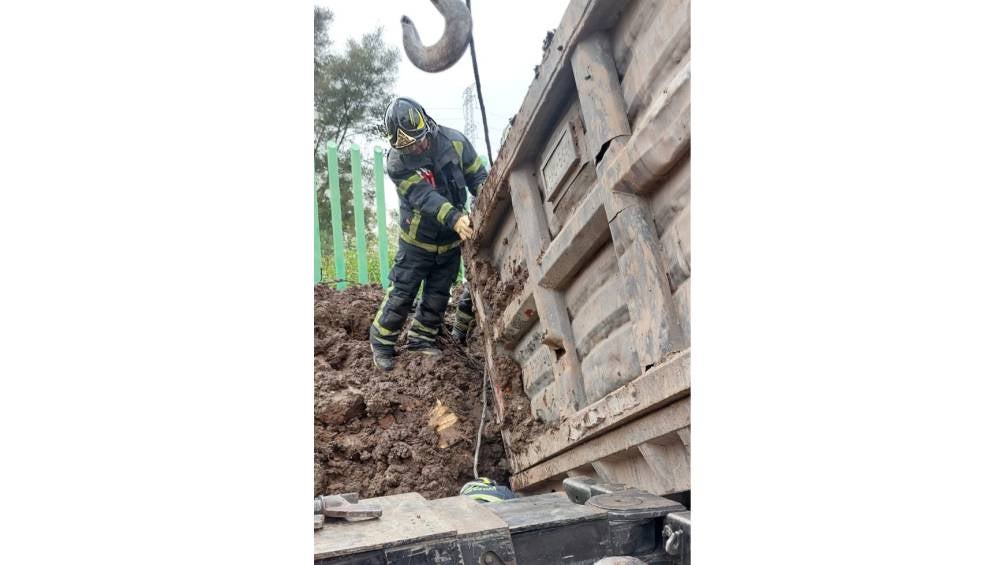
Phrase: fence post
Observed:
(317, 239)
(381, 215)
(335, 197)
(357, 200)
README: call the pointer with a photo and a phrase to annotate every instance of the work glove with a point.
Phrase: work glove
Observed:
(463, 227)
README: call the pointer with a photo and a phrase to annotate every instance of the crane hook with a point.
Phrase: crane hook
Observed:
(450, 48)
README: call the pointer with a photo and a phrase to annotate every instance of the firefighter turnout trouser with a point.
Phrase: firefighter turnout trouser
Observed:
(437, 268)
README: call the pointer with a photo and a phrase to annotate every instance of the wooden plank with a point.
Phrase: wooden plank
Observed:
(661, 385)
(406, 518)
(551, 309)
(547, 92)
(655, 425)
(583, 234)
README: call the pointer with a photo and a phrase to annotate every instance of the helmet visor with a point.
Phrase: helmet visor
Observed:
(401, 139)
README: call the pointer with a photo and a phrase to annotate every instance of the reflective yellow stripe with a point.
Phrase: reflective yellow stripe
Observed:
(474, 166)
(444, 210)
(458, 146)
(383, 341)
(415, 335)
(402, 188)
(422, 327)
(376, 319)
(416, 218)
(428, 246)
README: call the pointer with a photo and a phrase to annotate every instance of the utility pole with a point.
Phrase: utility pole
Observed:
(470, 123)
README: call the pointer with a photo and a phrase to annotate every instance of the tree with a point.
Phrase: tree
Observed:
(352, 87)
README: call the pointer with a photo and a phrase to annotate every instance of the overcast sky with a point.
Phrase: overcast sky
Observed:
(508, 38)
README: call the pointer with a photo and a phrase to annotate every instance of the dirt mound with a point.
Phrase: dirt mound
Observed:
(372, 430)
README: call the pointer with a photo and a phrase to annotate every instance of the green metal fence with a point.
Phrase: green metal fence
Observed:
(339, 262)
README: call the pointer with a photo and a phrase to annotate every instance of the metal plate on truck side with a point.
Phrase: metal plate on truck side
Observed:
(559, 162)
(407, 519)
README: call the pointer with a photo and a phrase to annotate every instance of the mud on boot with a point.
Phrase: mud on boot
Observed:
(383, 356)
(459, 335)
(423, 347)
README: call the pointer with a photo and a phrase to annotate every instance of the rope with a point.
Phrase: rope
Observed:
(491, 162)
(475, 365)
(484, 411)
(481, 99)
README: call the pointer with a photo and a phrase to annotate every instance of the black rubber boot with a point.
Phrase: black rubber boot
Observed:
(464, 319)
(459, 335)
(383, 356)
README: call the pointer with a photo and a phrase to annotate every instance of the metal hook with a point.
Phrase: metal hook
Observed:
(450, 48)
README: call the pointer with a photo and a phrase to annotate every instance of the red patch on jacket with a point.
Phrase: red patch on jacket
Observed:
(428, 176)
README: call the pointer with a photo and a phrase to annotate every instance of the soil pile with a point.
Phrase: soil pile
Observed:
(409, 429)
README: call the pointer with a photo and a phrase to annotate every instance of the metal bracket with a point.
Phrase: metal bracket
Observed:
(581, 489)
(344, 506)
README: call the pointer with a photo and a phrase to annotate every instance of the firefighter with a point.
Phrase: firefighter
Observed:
(433, 167)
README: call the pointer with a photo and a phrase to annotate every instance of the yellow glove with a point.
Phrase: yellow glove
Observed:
(463, 227)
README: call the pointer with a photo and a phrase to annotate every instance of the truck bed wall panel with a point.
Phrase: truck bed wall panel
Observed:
(606, 313)
(656, 51)
(670, 203)
(590, 279)
(671, 196)
(611, 364)
(505, 255)
(538, 364)
(681, 297)
(615, 77)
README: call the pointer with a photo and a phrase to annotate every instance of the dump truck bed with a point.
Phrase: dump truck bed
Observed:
(580, 266)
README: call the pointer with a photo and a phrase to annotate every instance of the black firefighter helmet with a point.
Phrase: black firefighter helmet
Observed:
(407, 123)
